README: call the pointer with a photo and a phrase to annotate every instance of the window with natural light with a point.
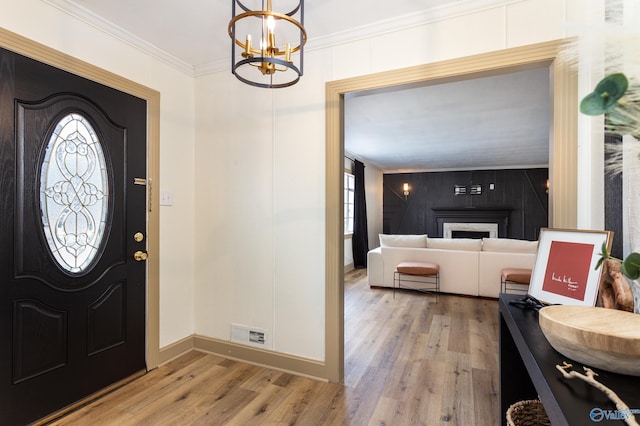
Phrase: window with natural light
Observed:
(349, 196)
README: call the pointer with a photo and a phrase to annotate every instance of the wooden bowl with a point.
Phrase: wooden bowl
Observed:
(608, 339)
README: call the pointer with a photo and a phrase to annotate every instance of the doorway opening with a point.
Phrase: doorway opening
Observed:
(562, 146)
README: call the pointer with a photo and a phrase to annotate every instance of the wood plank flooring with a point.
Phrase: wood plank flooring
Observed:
(408, 361)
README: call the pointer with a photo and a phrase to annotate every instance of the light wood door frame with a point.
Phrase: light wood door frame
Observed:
(23, 46)
(563, 147)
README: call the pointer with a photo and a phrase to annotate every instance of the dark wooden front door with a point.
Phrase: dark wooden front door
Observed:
(72, 215)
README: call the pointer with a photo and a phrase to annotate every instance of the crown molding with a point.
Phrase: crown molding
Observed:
(81, 13)
(404, 22)
(390, 25)
(386, 26)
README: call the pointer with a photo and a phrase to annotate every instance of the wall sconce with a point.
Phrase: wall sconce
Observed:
(405, 190)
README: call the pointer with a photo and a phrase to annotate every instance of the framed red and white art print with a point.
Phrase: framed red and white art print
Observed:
(565, 270)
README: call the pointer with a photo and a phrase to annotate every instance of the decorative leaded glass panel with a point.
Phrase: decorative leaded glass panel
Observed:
(74, 190)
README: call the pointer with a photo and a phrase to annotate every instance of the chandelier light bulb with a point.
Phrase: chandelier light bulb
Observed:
(271, 24)
(247, 51)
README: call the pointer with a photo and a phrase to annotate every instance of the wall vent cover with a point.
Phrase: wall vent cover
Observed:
(251, 336)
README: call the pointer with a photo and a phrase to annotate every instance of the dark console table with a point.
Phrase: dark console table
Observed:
(528, 370)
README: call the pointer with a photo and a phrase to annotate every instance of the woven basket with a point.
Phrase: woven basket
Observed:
(527, 413)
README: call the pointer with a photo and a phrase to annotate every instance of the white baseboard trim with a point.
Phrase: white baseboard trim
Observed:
(349, 267)
(275, 360)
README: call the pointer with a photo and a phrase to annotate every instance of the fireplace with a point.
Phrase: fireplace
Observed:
(469, 230)
(471, 223)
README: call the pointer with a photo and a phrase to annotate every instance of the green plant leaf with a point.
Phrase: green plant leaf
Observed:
(631, 266)
(604, 255)
(605, 96)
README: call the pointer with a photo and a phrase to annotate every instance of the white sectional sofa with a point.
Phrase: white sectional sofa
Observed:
(467, 266)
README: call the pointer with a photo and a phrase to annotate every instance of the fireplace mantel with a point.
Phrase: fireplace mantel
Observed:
(472, 215)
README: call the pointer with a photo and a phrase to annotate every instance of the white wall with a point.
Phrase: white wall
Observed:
(260, 170)
(244, 241)
(260, 209)
(38, 21)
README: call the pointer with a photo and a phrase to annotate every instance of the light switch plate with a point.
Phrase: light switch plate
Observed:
(166, 198)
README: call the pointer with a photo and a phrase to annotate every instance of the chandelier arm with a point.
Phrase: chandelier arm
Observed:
(277, 69)
(249, 61)
(257, 61)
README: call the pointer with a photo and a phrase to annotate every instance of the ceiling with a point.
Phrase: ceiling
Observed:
(495, 122)
(194, 32)
(485, 123)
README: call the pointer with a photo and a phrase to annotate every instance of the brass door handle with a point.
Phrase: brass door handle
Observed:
(140, 255)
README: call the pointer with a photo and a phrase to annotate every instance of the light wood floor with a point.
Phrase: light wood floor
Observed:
(408, 361)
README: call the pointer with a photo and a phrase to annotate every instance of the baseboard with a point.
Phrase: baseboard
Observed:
(349, 267)
(175, 349)
(275, 360)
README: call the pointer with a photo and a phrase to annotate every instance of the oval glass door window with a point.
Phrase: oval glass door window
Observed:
(74, 191)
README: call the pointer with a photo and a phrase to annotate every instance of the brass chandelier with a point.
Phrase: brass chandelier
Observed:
(265, 63)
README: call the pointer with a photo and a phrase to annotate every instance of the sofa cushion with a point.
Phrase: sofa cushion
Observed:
(471, 244)
(509, 245)
(415, 241)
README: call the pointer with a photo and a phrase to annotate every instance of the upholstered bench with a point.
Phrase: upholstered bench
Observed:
(515, 280)
(425, 273)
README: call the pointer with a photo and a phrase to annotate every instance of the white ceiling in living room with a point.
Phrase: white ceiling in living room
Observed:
(487, 123)
(498, 122)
